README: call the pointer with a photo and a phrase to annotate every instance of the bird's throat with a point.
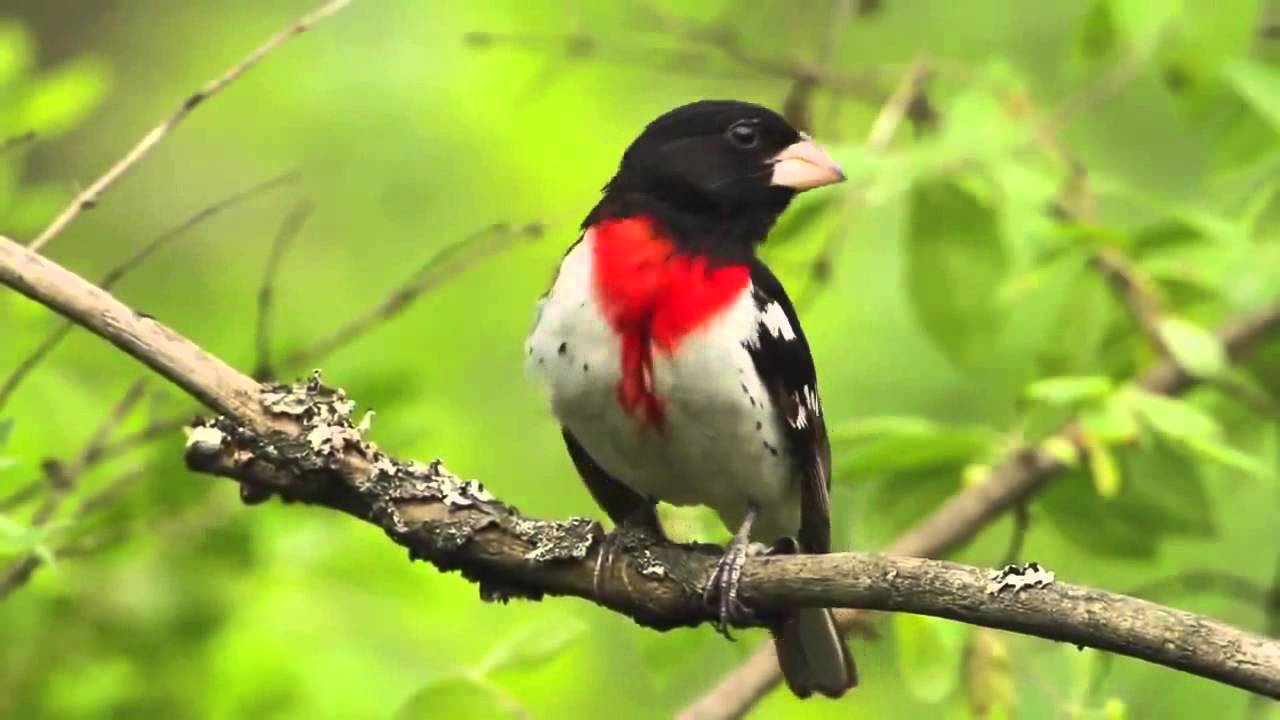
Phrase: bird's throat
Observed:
(654, 297)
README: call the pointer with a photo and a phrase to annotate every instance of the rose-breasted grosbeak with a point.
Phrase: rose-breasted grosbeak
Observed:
(676, 363)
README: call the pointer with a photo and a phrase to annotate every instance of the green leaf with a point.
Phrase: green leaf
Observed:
(1142, 22)
(1070, 389)
(955, 267)
(1098, 32)
(6, 429)
(18, 539)
(62, 99)
(1172, 417)
(1102, 466)
(1112, 24)
(1259, 85)
(897, 445)
(930, 654)
(15, 52)
(1222, 454)
(1061, 449)
(1192, 429)
(1020, 285)
(1197, 350)
(459, 698)
(1164, 498)
(1115, 709)
(1111, 421)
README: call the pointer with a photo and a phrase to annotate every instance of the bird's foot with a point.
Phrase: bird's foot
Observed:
(622, 538)
(722, 590)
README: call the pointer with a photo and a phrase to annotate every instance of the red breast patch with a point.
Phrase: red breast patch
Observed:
(653, 297)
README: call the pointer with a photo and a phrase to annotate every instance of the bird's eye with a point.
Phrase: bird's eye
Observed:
(743, 135)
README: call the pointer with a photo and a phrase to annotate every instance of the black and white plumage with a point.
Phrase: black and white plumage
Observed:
(676, 363)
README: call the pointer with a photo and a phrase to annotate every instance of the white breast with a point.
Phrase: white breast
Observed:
(719, 446)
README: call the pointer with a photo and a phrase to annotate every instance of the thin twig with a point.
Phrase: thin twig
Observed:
(17, 141)
(725, 40)
(93, 448)
(797, 106)
(1076, 203)
(22, 495)
(20, 572)
(716, 38)
(1135, 293)
(17, 574)
(442, 267)
(152, 431)
(1256, 400)
(1021, 475)
(204, 214)
(882, 132)
(413, 500)
(131, 263)
(289, 229)
(109, 493)
(62, 479)
(439, 269)
(90, 195)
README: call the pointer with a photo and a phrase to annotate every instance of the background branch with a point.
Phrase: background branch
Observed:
(59, 482)
(89, 196)
(1023, 474)
(289, 229)
(131, 263)
(16, 141)
(442, 267)
(300, 442)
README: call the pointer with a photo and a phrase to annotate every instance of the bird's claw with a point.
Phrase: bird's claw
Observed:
(622, 537)
(604, 561)
(722, 590)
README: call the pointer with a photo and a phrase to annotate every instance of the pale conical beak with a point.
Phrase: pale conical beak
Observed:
(804, 166)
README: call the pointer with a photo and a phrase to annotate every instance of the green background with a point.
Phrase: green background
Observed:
(953, 295)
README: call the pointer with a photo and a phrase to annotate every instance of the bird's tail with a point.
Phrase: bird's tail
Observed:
(813, 655)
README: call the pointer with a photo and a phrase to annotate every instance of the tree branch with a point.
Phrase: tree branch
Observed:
(60, 480)
(89, 196)
(206, 378)
(16, 141)
(458, 525)
(300, 442)
(1023, 474)
(289, 229)
(440, 268)
(131, 263)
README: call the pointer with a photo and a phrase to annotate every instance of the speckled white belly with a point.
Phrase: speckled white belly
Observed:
(719, 446)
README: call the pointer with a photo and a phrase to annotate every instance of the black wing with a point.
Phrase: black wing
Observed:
(782, 360)
(623, 505)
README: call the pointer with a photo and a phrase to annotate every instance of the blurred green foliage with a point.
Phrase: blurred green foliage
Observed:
(950, 289)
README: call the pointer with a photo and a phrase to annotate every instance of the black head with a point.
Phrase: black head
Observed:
(720, 159)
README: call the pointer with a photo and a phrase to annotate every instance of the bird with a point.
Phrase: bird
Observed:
(675, 361)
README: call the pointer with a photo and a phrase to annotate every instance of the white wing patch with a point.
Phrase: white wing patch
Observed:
(807, 405)
(811, 399)
(775, 321)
